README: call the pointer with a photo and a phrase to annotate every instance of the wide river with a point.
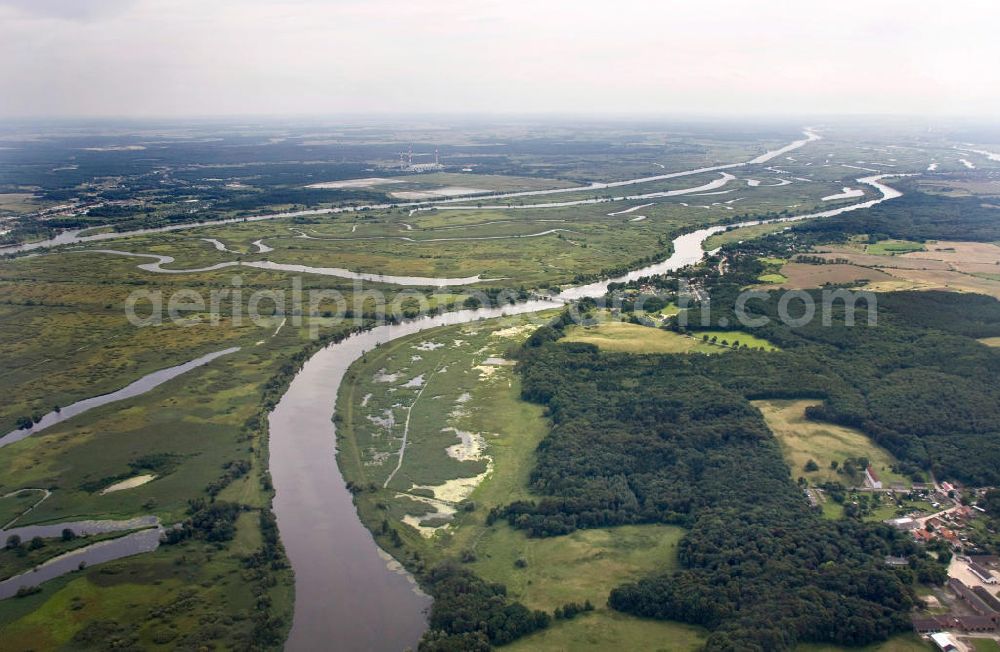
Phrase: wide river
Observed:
(349, 594)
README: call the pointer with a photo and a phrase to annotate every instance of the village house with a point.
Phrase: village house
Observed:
(982, 573)
(871, 478)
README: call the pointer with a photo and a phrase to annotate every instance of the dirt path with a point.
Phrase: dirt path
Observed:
(17, 518)
(406, 428)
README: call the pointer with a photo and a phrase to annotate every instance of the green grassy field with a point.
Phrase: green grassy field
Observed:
(431, 381)
(742, 234)
(609, 630)
(633, 338)
(732, 337)
(803, 440)
(982, 644)
(584, 565)
(893, 247)
(180, 596)
(65, 336)
(12, 506)
(903, 643)
(471, 241)
(25, 557)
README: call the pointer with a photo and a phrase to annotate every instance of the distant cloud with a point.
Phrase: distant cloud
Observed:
(70, 9)
(226, 57)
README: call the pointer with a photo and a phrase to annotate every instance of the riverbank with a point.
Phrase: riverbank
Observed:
(312, 496)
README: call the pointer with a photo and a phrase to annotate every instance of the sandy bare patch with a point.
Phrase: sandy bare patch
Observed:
(428, 346)
(846, 193)
(382, 377)
(442, 510)
(417, 381)
(471, 446)
(386, 421)
(485, 371)
(436, 193)
(131, 483)
(367, 182)
(453, 491)
(514, 331)
(499, 362)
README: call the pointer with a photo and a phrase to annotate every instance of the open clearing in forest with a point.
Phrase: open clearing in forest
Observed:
(632, 338)
(893, 247)
(609, 630)
(625, 337)
(803, 440)
(583, 565)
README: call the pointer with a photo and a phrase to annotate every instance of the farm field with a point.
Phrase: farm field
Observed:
(803, 440)
(800, 276)
(946, 265)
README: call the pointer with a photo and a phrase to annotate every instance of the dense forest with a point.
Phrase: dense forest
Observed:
(471, 615)
(641, 439)
(914, 216)
(915, 380)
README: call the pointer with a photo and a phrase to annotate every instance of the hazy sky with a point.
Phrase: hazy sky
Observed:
(206, 57)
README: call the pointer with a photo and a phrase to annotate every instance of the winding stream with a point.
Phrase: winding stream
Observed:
(345, 590)
(74, 236)
(141, 386)
(104, 551)
(157, 266)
